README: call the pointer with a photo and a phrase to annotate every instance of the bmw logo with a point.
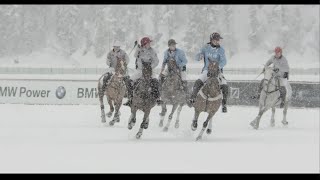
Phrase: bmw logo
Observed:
(60, 92)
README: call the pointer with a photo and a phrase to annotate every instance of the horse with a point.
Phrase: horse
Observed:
(208, 99)
(172, 92)
(115, 92)
(270, 97)
(144, 98)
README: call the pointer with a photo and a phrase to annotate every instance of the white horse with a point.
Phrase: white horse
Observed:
(270, 97)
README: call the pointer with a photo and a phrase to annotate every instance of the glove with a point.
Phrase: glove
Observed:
(286, 75)
(184, 68)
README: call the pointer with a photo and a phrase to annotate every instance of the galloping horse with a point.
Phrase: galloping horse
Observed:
(115, 92)
(208, 99)
(270, 97)
(172, 92)
(144, 98)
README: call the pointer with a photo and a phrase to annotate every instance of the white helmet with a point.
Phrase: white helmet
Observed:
(116, 43)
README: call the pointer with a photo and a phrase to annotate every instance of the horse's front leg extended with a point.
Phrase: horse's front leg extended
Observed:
(205, 125)
(109, 114)
(103, 115)
(144, 124)
(178, 116)
(162, 114)
(132, 119)
(272, 123)
(255, 123)
(285, 109)
(174, 107)
(194, 124)
(116, 117)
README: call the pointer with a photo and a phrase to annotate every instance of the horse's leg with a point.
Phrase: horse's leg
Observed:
(109, 114)
(255, 123)
(284, 120)
(174, 107)
(116, 117)
(178, 116)
(162, 114)
(194, 124)
(132, 120)
(205, 124)
(144, 124)
(272, 117)
(209, 130)
(103, 115)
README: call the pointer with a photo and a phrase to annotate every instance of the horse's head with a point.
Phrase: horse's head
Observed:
(269, 72)
(213, 69)
(146, 70)
(121, 66)
(172, 66)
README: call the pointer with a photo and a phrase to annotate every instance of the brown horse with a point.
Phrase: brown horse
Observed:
(115, 92)
(208, 99)
(144, 97)
(173, 93)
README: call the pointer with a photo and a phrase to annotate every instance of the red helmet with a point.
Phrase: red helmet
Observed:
(278, 49)
(145, 41)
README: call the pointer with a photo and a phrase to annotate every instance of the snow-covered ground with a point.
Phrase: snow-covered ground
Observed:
(72, 139)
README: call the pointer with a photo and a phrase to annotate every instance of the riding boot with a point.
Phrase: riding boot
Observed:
(155, 92)
(283, 94)
(259, 91)
(130, 88)
(225, 92)
(196, 87)
(105, 82)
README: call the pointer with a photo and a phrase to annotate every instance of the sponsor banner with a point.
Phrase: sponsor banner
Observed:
(85, 92)
(48, 92)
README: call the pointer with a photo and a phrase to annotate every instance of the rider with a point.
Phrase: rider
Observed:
(212, 51)
(281, 67)
(111, 61)
(179, 56)
(144, 53)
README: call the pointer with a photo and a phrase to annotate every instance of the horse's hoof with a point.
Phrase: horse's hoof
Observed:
(209, 131)
(129, 126)
(198, 138)
(285, 123)
(111, 123)
(161, 124)
(138, 136)
(116, 119)
(145, 126)
(103, 119)
(170, 117)
(272, 124)
(109, 114)
(165, 129)
(194, 126)
(176, 125)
